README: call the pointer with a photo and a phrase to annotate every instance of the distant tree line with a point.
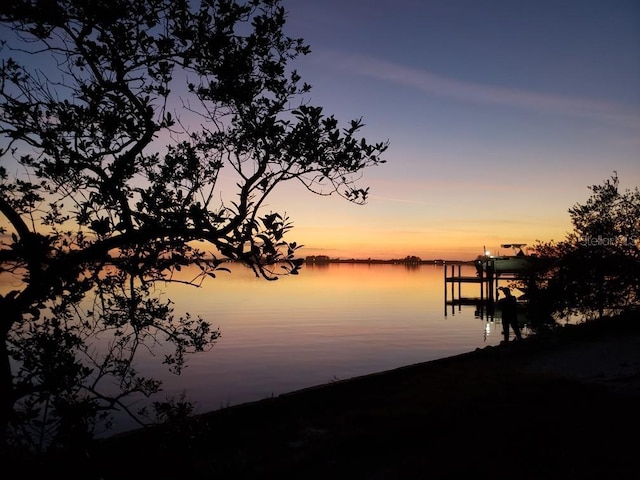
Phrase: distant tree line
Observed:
(408, 260)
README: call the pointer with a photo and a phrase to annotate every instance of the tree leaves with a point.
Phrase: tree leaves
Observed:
(121, 116)
(595, 270)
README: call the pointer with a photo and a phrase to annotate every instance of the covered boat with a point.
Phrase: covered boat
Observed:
(518, 262)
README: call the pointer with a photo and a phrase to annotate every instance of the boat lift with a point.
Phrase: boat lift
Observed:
(490, 271)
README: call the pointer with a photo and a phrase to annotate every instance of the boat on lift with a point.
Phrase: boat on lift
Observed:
(516, 263)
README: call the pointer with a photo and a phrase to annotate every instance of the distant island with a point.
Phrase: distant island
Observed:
(408, 260)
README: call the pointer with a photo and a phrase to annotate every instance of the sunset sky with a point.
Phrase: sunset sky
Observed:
(500, 114)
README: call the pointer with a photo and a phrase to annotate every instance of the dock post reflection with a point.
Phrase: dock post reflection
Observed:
(483, 302)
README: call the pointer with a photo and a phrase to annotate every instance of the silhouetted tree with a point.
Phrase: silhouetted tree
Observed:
(596, 269)
(117, 118)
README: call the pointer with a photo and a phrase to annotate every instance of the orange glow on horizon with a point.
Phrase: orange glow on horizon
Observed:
(428, 245)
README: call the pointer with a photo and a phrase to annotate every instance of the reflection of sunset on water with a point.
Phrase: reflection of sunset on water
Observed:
(333, 321)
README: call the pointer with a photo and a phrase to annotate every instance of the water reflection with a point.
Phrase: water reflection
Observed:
(332, 321)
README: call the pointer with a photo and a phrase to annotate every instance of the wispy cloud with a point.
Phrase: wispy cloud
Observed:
(409, 201)
(439, 85)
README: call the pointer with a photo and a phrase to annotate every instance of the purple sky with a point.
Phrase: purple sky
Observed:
(499, 115)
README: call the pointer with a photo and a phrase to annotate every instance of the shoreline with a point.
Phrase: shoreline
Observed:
(430, 419)
(445, 418)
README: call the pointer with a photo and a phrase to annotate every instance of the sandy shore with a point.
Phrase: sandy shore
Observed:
(612, 362)
(553, 406)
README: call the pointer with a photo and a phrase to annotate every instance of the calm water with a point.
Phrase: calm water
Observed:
(328, 323)
(333, 322)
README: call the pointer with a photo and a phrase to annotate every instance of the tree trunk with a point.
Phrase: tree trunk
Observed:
(6, 391)
(7, 394)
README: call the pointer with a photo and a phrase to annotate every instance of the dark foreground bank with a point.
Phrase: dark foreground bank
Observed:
(486, 414)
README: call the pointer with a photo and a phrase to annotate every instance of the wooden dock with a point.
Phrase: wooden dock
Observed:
(488, 282)
(462, 279)
(453, 277)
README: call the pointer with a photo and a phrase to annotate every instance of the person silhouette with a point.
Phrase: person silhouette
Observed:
(509, 308)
